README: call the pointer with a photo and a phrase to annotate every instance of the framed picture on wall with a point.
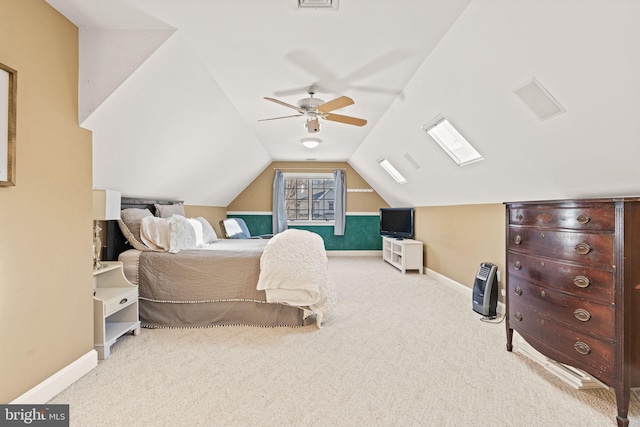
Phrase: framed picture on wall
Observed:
(8, 100)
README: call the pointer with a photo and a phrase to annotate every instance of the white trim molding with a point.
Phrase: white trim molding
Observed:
(354, 253)
(52, 386)
(575, 377)
(500, 308)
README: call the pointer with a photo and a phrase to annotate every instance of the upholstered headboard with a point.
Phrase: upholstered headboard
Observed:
(116, 243)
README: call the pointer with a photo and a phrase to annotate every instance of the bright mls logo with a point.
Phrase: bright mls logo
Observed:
(34, 415)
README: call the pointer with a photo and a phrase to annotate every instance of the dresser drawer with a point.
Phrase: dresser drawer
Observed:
(593, 249)
(574, 218)
(584, 282)
(582, 315)
(587, 350)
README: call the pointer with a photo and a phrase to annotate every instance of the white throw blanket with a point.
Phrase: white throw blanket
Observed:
(294, 271)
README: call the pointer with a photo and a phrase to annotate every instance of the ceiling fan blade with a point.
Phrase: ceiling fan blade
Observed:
(345, 119)
(335, 104)
(283, 117)
(371, 89)
(298, 109)
(308, 62)
(379, 64)
(294, 91)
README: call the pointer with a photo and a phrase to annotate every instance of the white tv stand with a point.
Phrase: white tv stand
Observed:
(405, 254)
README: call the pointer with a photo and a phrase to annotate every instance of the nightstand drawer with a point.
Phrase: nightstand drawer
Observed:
(116, 298)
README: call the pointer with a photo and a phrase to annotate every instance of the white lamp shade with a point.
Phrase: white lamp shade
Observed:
(106, 205)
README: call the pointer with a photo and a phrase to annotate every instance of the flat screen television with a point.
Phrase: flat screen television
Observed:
(397, 222)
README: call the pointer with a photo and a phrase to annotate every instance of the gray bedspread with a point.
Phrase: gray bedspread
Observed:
(212, 286)
(227, 270)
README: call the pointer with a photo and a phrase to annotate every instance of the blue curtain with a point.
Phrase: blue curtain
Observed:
(279, 208)
(340, 203)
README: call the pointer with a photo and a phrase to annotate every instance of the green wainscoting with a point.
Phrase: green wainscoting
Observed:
(362, 232)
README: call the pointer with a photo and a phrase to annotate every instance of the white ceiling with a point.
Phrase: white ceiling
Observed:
(173, 91)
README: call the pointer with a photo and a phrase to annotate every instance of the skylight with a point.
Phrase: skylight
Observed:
(538, 98)
(391, 170)
(452, 142)
(318, 4)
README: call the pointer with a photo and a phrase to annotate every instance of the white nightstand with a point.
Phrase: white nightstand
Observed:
(115, 307)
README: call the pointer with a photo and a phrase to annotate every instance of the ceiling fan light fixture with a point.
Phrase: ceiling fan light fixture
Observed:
(310, 104)
(311, 142)
(313, 125)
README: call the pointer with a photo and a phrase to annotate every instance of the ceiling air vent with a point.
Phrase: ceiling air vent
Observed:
(317, 4)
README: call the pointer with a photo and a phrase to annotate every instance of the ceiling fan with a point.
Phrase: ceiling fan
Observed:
(314, 109)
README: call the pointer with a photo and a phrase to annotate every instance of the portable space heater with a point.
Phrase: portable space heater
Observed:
(485, 290)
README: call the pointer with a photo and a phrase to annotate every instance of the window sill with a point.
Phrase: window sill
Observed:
(315, 223)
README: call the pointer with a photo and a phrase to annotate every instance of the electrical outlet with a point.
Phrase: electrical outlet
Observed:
(498, 276)
(503, 292)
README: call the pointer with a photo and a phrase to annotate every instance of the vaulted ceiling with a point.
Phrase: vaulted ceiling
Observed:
(173, 92)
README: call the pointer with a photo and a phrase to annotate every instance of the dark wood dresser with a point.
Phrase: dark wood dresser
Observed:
(573, 286)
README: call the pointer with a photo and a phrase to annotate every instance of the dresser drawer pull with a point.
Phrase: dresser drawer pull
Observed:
(517, 240)
(582, 348)
(582, 314)
(583, 248)
(123, 300)
(518, 316)
(518, 290)
(583, 219)
(517, 265)
(581, 281)
(543, 293)
(519, 217)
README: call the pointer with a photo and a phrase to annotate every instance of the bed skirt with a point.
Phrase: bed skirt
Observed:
(222, 313)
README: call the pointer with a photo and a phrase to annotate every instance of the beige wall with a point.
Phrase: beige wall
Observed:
(46, 319)
(459, 238)
(258, 195)
(212, 214)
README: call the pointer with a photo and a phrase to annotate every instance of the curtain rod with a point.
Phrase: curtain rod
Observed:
(310, 169)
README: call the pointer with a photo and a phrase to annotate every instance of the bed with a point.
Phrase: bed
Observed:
(220, 282)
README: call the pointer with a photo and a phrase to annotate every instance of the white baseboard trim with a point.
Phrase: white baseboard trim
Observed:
(576, 378)
(355, 253)
(52, 386)
(459, 287)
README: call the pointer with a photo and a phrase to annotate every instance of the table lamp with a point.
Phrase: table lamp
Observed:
(106, 207)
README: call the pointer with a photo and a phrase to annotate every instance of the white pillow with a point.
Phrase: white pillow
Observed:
(197, 228)
(208, 233)
(154, 232)
(181, 234)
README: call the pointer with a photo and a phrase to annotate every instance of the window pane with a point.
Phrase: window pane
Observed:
(323, 195)
(297, 198)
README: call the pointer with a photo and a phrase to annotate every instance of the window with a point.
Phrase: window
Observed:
(309, 197)
(391, 170)
(452, 142)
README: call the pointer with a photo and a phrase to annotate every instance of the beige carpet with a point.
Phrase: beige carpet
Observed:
(397, 351)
